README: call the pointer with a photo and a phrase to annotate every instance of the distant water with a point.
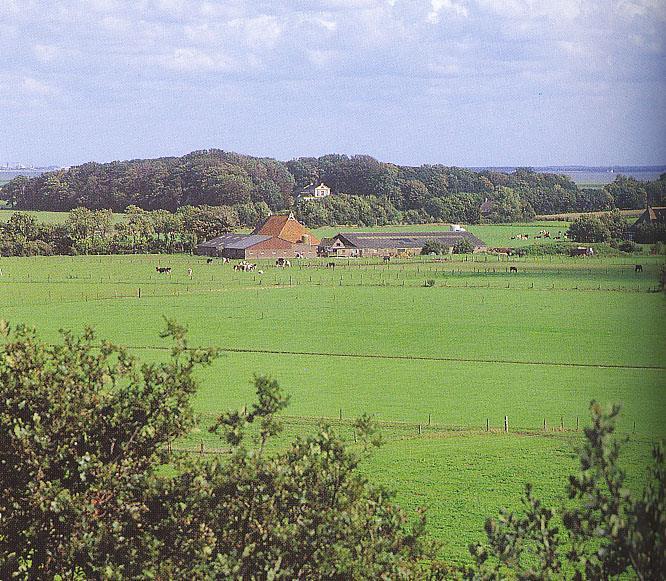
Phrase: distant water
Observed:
(579, 174)
(5, 176)
(583, 175)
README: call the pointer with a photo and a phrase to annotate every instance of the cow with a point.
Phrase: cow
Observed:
(330, 265)
(209, 260)
(638, 268)
(513, 269)
(163, 269)
(387, 259)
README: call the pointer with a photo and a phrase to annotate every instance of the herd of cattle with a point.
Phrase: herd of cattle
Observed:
(242, 266)
(541, 234)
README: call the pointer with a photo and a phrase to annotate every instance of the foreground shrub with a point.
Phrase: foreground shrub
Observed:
(84, 434)
(607, 531)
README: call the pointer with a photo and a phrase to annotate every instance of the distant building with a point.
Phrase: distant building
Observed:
(486, 208)
(358, 244)
(280, 236)
(651, 215)
(313, 192)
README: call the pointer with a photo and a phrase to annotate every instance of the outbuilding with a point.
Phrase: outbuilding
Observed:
(280, 236)
(350, 244)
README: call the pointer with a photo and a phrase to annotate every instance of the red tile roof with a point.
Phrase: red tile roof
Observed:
(285, 227)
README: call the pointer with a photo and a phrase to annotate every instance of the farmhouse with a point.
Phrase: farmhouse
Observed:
(393, 243)
(280, 236)
(486, 208)
(313, 192)
(652, 215)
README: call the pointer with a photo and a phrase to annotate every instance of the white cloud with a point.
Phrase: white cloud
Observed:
(48, 53)
(536, 9)
(260, 31)
(192, 60)
(33, 86)
(437, 7)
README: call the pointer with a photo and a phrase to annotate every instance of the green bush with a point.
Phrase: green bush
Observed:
(433, 246)
(589, 228)
(463, 246)
(658, 248)
(629, 247)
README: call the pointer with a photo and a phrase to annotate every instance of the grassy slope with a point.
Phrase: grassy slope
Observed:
(461, 477)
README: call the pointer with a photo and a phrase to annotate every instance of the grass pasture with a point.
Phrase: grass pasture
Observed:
(492, 234)
(480, 344)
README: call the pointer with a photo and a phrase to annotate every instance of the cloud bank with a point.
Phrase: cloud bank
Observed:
(469, 82)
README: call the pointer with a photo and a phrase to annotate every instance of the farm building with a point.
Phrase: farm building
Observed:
(652, 215)
(313, 192)
(486, 208)
(280, 236)
(393, 243)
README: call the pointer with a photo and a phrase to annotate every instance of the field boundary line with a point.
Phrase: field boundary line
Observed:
(409, 357)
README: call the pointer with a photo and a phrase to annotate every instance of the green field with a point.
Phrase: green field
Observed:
(368, 337)
(492, 234)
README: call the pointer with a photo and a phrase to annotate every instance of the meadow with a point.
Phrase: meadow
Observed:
(492, 234)
(433, 364)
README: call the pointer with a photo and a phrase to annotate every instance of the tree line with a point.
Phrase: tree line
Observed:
(366, 191)
(89, 486)
(88, 231)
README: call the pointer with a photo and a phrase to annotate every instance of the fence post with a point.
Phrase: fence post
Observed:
(429, 419)
(506, 424)
(419, 429)
(576, 423)
(545, 425)
(340, 414)
(562, 423)
(201, 447)
(487, 425)
(634, 426)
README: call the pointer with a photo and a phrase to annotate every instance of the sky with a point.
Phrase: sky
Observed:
(458, 82)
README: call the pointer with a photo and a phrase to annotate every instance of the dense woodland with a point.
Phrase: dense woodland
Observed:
(367, 191)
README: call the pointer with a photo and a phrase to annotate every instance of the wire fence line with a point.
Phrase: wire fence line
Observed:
(393, 430)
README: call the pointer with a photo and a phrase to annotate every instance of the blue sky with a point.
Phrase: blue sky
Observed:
(460, 82)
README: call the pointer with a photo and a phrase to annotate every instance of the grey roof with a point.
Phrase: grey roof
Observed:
(486, 207)
(405, 239)
(234, 241)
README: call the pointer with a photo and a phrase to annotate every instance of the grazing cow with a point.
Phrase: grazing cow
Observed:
(387, 259)
(209, 260)
(330, 265)
(638, 268)
(189, 272)
(163, 269)
(513, 269)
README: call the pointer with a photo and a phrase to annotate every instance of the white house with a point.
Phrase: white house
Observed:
(313, 192)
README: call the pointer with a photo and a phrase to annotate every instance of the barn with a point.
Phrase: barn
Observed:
(280, 236)
(348, 244)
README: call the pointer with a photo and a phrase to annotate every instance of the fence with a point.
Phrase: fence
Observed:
(392, 430)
